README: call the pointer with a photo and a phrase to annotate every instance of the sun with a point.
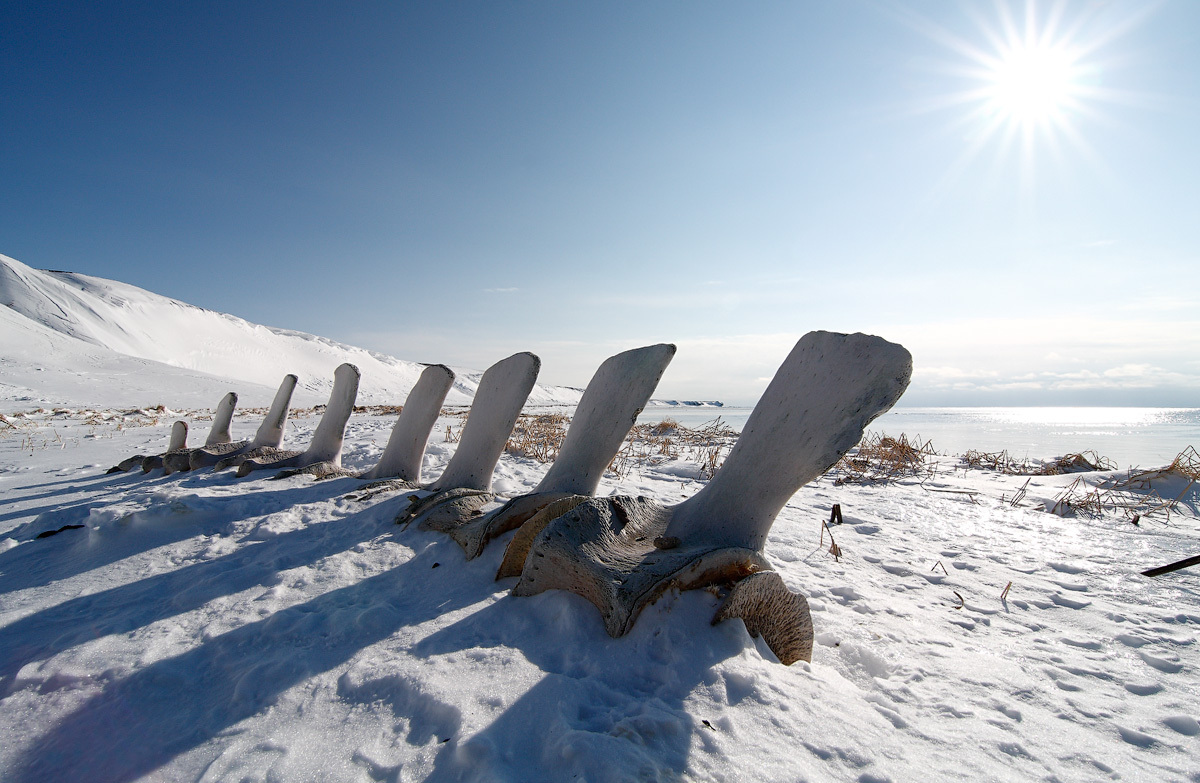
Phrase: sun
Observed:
(1033, 84)
(1024, 84)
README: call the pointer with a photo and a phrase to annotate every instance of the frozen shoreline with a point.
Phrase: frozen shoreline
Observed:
(1129, 436)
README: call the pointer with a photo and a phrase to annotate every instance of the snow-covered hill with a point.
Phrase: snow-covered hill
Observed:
(115, 344)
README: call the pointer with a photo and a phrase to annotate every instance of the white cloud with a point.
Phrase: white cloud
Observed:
(955, 362)
(1160, 303)
(934, 374)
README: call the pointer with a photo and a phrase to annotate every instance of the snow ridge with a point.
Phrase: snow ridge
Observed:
(103, 317)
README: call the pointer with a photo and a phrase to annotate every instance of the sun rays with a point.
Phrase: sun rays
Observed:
(1028, 87)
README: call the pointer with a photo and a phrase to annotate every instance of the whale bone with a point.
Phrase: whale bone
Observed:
(499, 397)
(178, 441)
(622, 553)
(269, 434)
(179, 461)
(606, 412)
(327, 441)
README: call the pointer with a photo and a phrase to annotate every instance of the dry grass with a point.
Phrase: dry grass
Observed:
(664, 428)
(1082, 498)
(650, 444)
(1081, 462)
(878, 459)
(453, 433)
(1001, 461)
(538, 436)
(379, 410)
(1186, 465)
(995, 460)
(37, 429)
(1134, 495)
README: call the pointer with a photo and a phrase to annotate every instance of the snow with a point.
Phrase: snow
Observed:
(204, 627)
(103, 322)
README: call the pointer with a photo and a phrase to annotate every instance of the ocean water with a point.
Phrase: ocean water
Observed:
(1130, 437)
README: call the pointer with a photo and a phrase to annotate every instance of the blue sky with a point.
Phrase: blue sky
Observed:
(457, 182)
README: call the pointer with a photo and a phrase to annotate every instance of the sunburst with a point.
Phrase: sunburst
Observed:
(1029, 80)
(1035, 84)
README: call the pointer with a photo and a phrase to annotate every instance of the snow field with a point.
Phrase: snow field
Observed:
(202, 627)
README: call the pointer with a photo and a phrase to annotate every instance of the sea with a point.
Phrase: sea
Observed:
(1128, 437)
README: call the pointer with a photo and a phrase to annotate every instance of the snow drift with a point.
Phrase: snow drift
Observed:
(78, 328)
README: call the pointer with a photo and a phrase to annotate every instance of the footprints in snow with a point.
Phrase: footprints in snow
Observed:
(1162, 664)
(1143, 688)
(1070, 603)
(1183, 724)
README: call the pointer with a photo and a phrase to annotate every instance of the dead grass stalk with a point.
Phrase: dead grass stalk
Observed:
(878, 459)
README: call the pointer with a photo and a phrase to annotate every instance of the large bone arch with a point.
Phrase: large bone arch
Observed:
(324, 452)
(606, 412)
(466, 483)
(268, 436)
(405, 450)
(622, 553)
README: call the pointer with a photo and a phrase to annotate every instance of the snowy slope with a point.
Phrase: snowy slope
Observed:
(40, 367)
(98, 318)
(202, 627)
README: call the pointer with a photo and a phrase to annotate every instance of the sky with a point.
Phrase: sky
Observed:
(1010, 190)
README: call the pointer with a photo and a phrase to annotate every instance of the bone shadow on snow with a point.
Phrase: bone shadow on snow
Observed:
(81, 475)
(114, 485)
(81, 484)
(603, 703)
(139, 723)
(37, 563)
(125, 608)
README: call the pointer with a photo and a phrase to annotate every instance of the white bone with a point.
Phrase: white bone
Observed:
(502, 392)
(219, 432)
(622, 553)
(406, 447)
(606, 412)
(814, 411)
(270, 432)
(326, 444)
(179, 431)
